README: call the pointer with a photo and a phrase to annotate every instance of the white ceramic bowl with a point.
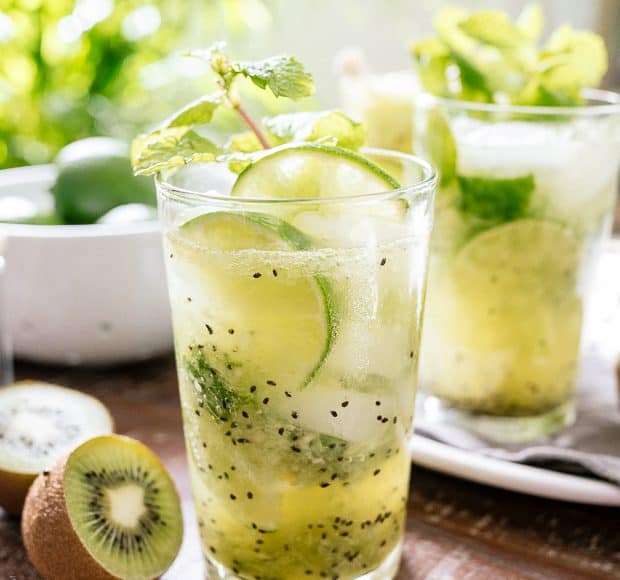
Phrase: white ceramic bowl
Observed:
(90, 294)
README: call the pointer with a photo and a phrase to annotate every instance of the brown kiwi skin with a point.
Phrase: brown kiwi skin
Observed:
(51, 542)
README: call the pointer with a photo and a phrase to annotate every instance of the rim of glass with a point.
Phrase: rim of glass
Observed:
(604, 103)
(420, 188)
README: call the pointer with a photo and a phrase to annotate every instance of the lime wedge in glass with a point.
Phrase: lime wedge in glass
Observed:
(311, 171)
(255, 298)
(512, 316)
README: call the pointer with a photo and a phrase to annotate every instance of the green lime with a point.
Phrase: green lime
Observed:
(519, 262)
(508, 310)
(311, 171)
(260, 305)
(96, 179)
(517, 286)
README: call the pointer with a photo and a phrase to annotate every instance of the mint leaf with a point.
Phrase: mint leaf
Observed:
(531, 21)
(197, 112)
(169, 148)
(246, 142)
(475, 67)
(493, 27)
(495, 200)
(285, 76)
(216, 394)
(475, 84)
(433, 58)
(490, 58)
(326, 126)
(572, 59)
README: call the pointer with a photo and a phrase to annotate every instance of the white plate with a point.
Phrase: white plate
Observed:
(602, 346)
(512, 476)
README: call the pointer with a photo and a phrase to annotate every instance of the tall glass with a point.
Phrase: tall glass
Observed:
(384, 103)
(297, 327)
(525, 200)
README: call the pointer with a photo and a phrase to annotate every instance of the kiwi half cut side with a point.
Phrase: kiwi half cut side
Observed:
(39, 423)
(108, 510)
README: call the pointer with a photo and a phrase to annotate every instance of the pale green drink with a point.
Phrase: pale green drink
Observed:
(297, 330)
(520, 217)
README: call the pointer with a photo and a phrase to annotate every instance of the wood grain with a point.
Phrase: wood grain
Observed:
(455, 529)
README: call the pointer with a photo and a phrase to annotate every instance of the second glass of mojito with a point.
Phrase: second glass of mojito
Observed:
(528, 154)
(525, 201)
(297, 295)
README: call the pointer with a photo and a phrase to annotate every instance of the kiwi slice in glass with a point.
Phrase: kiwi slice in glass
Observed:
(39, 423)
(107, 510)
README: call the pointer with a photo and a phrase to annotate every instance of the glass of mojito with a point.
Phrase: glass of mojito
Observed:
(297, 293)
(528, 183)
(383, 102)
(296, 264)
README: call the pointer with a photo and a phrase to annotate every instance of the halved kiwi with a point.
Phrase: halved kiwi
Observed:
(39, 423)
(108, 510)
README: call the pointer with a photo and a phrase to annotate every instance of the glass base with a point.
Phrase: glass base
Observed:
(387, 570)
(507, 430)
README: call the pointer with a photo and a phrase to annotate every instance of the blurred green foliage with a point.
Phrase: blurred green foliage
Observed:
(74, 68)
(65, 63)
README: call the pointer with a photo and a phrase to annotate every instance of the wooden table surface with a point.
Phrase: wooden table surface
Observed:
(455, 529)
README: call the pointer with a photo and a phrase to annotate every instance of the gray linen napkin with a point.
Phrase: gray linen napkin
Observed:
(592, 445)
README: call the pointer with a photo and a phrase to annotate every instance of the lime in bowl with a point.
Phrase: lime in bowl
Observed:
(297, 294)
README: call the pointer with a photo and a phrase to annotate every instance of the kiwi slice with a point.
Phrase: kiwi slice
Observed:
(107, 510)
(38, 424)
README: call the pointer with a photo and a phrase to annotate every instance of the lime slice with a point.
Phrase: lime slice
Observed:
(311, 171)
(262, 314)
(516, 286)
(517, 263)
(506, 310)
(441, 145)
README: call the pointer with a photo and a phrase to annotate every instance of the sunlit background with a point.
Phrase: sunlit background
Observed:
(74, 68)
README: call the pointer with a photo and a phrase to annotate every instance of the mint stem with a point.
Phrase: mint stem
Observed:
(253, 126)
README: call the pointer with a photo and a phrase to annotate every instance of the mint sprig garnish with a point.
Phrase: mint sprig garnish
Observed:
(284, 75)
(177, 141)
(485, 56)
